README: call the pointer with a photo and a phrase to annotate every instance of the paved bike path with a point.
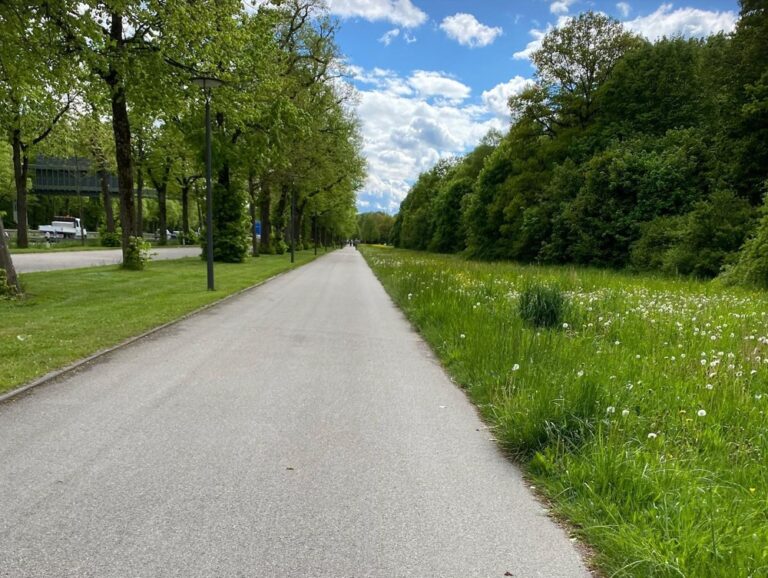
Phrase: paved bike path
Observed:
(302, 429)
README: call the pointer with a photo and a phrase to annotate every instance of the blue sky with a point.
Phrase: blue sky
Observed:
(433, 76)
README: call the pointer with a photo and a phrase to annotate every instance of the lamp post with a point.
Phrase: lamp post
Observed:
(293, 223)
(207, 83)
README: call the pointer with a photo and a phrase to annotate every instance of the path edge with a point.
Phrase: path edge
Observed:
(72, 367)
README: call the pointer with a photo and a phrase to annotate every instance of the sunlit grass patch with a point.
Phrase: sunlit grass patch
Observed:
(642, 414)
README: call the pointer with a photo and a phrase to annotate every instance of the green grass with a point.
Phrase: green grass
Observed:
(68, 315)
(642, 416)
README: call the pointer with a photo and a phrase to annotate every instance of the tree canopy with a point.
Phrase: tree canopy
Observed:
(624, 153)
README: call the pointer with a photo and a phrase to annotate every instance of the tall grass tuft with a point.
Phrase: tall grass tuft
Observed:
(542, 305)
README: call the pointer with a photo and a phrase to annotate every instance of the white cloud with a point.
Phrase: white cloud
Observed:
(496, 99)
(561, 6)
(399, 12)
(688, 22)
(381, 79)
(467, 31)
(538, 35)
(624, 9)
(389, 36)
(440, 86)
(409, 123)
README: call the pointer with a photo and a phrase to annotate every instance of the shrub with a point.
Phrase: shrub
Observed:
(751, 267)
(710, 235)
(657, 238)
(137, 255)
(108, 239)
(280, 247)
(542, 306)
(231, 240)
(7, 291)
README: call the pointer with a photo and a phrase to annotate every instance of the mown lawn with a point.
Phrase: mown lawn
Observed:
(642, 416)
(67, 315)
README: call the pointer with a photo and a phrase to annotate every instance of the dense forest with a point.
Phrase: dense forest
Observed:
(623, 153)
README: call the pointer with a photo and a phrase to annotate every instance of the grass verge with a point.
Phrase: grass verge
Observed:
(70, 314)
(643, 416)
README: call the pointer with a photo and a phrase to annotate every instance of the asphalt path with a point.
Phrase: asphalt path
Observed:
(301, 429)
(50, 261)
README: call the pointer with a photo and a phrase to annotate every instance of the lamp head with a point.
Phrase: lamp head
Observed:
(206, 82)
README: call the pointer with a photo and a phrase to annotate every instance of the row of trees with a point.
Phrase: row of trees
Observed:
(112, 80)
(623, 153)
(374, 227)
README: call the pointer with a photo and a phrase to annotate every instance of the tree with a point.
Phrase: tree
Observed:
(374, 227)
(654, 88)
(751, 266)
(417, 225)
(136, 49)
(449, 235)
(36, 85)
(574, 61)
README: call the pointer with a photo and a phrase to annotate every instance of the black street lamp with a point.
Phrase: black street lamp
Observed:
(293, 223)
(207, 83)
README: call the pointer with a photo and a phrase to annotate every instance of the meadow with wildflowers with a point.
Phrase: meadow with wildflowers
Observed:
(642, 416)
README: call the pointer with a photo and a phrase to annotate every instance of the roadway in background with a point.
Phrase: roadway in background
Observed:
(49, 261)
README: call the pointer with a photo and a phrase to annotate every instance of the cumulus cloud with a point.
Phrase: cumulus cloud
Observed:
(561, 6)
(438, 85)
(389, 36)
(408, 123)
(400, 12)
(496, 99)
(624, 9)
(467, 31)
(687, 22)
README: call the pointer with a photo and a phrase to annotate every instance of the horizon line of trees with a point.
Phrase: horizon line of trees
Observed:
(622, 153)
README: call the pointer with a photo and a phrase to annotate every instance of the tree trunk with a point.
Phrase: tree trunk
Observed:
(6, 263)
(300, 224)
(252, 207)
(265, 212)
(20, 172)
(185, 209)
(139, 203)
(121, 128)
(106, 194)
(162, 213)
